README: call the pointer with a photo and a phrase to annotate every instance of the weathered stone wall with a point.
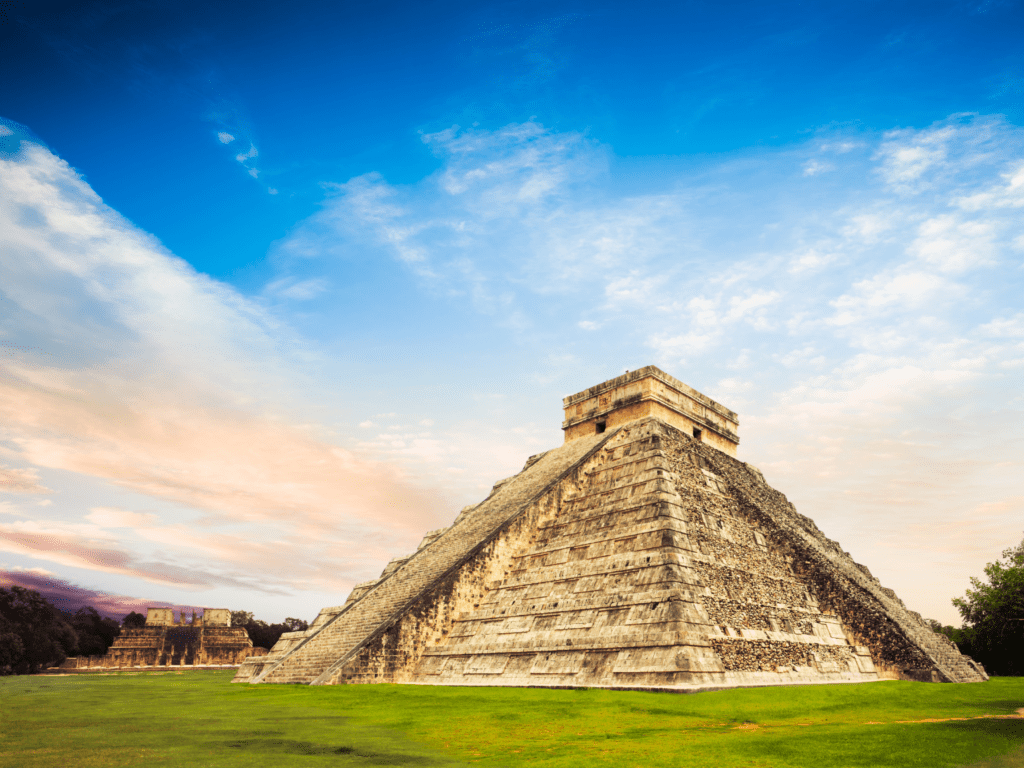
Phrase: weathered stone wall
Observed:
(156, 617)
(217, 617)
(650, 392)
(162, 642)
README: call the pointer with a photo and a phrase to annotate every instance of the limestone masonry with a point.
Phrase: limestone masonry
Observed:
(208, 640)
(640, 553)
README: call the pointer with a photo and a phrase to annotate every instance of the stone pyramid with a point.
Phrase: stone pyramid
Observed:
(641, 554)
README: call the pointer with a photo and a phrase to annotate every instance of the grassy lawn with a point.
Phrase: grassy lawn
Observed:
(198, 719)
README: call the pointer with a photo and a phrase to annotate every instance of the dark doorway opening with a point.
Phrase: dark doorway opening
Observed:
(696, 433)
(601, 426)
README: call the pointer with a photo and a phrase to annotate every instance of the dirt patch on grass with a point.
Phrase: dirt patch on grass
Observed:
(1018, 715)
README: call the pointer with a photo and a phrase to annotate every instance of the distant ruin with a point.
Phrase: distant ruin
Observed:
(641, 554)
(206, 641)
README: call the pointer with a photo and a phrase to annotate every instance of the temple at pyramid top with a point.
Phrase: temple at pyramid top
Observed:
(650, 391)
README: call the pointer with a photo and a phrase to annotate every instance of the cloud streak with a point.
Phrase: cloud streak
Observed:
(128, 367)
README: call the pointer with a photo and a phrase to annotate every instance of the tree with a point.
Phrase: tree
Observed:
(11, 648)
(265, 635)
(45, 636)
(994, 615)
(95, 633)
(133, 621)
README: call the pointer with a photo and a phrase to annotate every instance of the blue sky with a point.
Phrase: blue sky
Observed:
(280, 290)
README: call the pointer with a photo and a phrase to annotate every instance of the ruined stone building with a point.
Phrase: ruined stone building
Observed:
(207, 640)
(640, 553)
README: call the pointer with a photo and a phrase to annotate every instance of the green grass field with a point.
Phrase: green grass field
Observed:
(199, 719)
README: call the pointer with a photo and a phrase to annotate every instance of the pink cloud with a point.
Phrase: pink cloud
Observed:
(189, 447)
(20, 481)
(69, 597)
(65, 545)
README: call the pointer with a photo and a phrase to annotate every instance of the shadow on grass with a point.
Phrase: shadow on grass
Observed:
(1013, 760)
(1011, 732)
(264, 746)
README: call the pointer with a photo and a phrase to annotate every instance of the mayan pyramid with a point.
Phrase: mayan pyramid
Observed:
(640, 553)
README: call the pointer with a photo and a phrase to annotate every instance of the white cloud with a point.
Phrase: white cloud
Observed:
(682, 347)
(225, 137)
(811, 260)
(300, 290)
(1009, 194)
(13, 480)
(112, 517)
(908, 154)
(953, 245)
(891, 292)
(132, 371)
(841, 147)
(5, 131)
(869, 226)
(632, 289)
(1005, 326)
(814, 167)
(242, 157)
(743, 307)
(908, 163)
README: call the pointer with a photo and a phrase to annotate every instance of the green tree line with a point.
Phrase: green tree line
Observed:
(35, 634)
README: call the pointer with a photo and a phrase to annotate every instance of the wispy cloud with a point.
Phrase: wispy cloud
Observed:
(236, 128)
(14, 480)
(132, 369)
